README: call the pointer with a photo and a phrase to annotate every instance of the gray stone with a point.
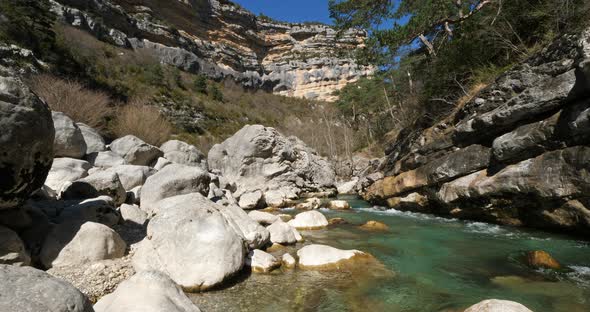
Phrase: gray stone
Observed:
(185, 154)
(94, 141)
(132, 213)
(65, 170)
(27, 141)
(135, 151)
(251, 200)
(97, 184)
(106, 159)
(25, 289)
(69, 141)
(132, 176)
(12, 248)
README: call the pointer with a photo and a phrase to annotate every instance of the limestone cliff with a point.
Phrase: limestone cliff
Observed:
(518, 153)
(220, 39)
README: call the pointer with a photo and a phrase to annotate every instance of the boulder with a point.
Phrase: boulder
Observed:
(322, 257)
(25, 289)
(338, 205)
(12, 248)
(106, 159)
(147, 291)
(413, 201)
(69, 141)
(65, 170)
(75, 244)
(161, 163)
(262, 217)
(288, 262)
(94, 141)
(133, 214)
(171, 181)
(280, 198)
(375, 226)
(335, 221)
(135, 151)
(100, 209)
(348, 188)
(192, 242)
(185, 154)
(133, 196)
(309, 220)
(253, 234)
(258, 156)
(131, 175)
(539, 259)
(27, 141)
(262, 262)
(309, 204)
(494, 305)
(283, 233)
(97, 184)
(251, 200)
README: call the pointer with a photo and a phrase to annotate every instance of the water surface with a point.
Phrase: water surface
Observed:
(430, 264)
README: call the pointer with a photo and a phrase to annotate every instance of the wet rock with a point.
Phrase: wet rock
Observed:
(12, 248)
(69, 141)
(185, 154)
(309, 204)
(494, 305)
(309, 220)
(262, 262)
(25, 289)
(338, 205)
(94, 141)
(375, 226)
(283, 233)
(335, 221)
(135, 151)
(72, 244)
(540, 259)
(27, 141)
(322, 257)
(148, 291)
(288, 262)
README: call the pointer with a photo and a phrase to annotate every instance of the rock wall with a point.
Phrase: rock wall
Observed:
(220, 39)
(517, 153)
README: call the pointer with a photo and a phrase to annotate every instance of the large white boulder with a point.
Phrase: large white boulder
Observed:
(258, 157)
(147, 291)
(251, 200)
(75, 244)
(93, 139)
(322, 257)
(309, 220)
(106, 159)
(171, 181)
(69, 141)
(97, 184)
(192, 242)
(495, 305)
(262, 262)
(253, 234)
(348, 188)
(25, 289)
(183, 153)
(12, 248)
(283, 233)
(133, 214)
(135, 151)
(262, 217)
(65, 170)
(132, 175)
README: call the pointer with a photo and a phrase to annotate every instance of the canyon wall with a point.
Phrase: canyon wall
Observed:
(221, 39)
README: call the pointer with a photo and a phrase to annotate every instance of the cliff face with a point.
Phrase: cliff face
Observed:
(518, 153)
(220, 39)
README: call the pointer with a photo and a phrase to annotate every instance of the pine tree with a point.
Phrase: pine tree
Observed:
(200, 84)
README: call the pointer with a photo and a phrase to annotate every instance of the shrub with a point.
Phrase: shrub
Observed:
(73, 99)
(200, 84)
(143, 121)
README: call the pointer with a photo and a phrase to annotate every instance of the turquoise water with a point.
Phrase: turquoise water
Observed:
(429, 264)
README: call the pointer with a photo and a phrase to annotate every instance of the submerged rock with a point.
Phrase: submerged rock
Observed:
(322, 257)
(338, 205)
(375, 226)
(494, 305)
(148, 291)
(540, 259)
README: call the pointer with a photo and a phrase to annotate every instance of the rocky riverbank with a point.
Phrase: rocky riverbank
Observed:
(517, 153)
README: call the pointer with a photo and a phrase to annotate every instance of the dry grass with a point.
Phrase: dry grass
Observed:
(91, 107)
(471, 93)
(144, 121)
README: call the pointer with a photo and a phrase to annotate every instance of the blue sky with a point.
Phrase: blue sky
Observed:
(290, 10)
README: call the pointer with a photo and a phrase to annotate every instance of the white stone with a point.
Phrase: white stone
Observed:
(94, 141)
(322, 255)
(250, 200)
(338, 205)
(288, 261)
(494, 305)
(135, 151)
(262, 217)
(283, 233)
(69, 141)
(66, 170)
(132, 175)
(262, 262)
(309, 220)
(132, 213)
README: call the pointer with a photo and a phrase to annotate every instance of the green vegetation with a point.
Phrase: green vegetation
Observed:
(444, 49)
(27, 23)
